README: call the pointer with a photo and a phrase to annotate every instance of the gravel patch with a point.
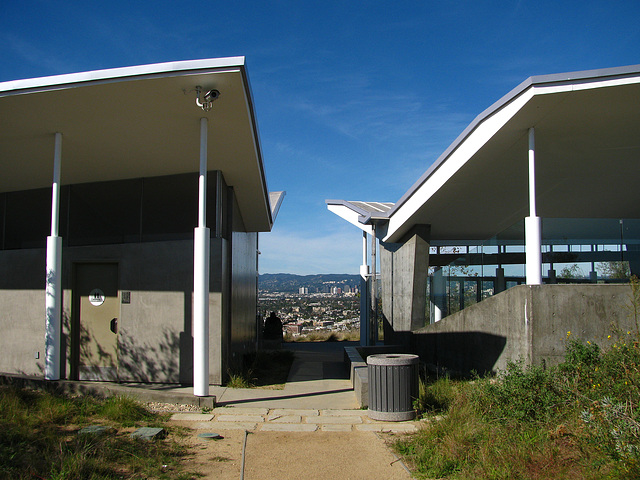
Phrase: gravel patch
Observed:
(172, 407)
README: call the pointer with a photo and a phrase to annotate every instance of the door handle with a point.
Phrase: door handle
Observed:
(114, 325)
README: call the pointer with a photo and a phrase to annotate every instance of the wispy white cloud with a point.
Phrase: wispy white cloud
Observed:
(360, 107)
(305, 254)
(31, 54)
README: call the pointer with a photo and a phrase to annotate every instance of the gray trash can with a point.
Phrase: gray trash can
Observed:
(393, 385)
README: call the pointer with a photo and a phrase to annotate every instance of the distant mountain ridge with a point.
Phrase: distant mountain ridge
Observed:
(290, 283)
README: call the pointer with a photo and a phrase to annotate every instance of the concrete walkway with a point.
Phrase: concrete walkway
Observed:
(317, 380)
(317, 397)
(311, 429)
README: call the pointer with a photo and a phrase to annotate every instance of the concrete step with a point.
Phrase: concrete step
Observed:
(291, 420)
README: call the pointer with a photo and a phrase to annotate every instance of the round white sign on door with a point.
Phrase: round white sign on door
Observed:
(96, 297)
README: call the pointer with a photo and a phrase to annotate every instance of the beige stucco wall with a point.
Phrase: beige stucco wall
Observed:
(22, 311)
(155, 328)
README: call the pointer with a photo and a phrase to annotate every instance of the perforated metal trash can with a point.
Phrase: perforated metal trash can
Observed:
(393, 385)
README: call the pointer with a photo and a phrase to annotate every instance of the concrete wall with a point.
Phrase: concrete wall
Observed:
(22, 311)
(528, 322)
(590, 312)
(155, 329)
(482, 337)
(404, 285)
(155, 338)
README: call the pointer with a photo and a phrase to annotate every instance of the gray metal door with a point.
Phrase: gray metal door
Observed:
(98, 307)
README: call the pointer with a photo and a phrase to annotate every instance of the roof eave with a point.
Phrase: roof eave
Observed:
(68, 80)
(532, 81)
(578, 77)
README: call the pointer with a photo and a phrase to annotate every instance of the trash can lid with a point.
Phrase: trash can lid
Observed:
(393, 359)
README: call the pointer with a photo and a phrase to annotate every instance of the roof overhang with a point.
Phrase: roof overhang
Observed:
(358, 213)
(587, 144)
(135, 122)
(276, 199)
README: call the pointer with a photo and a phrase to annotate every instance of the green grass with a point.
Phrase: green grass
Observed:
(435, 396)
(580, 419)
(40, 439)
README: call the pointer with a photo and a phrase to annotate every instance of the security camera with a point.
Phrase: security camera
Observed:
(211, 95)
(208, 98)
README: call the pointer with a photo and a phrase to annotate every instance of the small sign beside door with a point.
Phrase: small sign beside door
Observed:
(96, 297)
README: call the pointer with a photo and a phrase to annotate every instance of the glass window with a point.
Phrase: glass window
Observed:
(105, 212)
(121, 211)
(169, 207)
(574, 250)
(27, 218)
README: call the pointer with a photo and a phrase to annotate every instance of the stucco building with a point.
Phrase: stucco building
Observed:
(130, 205)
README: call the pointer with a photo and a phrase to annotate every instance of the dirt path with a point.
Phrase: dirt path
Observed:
(280, 455)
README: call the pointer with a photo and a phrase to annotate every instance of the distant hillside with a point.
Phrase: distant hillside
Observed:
(289, 283)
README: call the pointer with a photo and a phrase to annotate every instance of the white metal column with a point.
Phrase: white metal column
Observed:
(364, 268)
(365, 307)
(532, 223)
(53, 294)
(373, 320)
(201, 250)
(439, 295)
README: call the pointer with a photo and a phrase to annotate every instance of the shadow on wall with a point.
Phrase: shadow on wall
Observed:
(161, 362)
(459, 353)
(169, 360)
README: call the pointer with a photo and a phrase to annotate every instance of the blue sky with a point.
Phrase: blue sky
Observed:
(354, 99)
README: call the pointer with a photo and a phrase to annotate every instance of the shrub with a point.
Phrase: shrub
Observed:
(579, 354)
(580, 419)
(520, 393)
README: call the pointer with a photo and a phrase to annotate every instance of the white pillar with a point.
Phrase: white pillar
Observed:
(439, 295)
(201, 242)
(365, 295)
(53, 295)
(532, 223)
(373, 320)
(364, 268)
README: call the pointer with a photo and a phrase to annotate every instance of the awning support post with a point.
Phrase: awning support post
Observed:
(201, 252)
(365, 308)
(53, 295)
(533, 224)
(373, 321)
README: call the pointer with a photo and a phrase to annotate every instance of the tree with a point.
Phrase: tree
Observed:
(570, 271)
(617, 269)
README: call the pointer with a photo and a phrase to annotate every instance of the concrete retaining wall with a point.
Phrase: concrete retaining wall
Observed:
(358, 375)
(528, 322)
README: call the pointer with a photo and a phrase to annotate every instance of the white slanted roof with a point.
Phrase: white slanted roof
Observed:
(135, 122)
(587, 139)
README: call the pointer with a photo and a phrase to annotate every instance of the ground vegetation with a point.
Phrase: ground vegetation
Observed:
(580, 419)
(42, 438)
